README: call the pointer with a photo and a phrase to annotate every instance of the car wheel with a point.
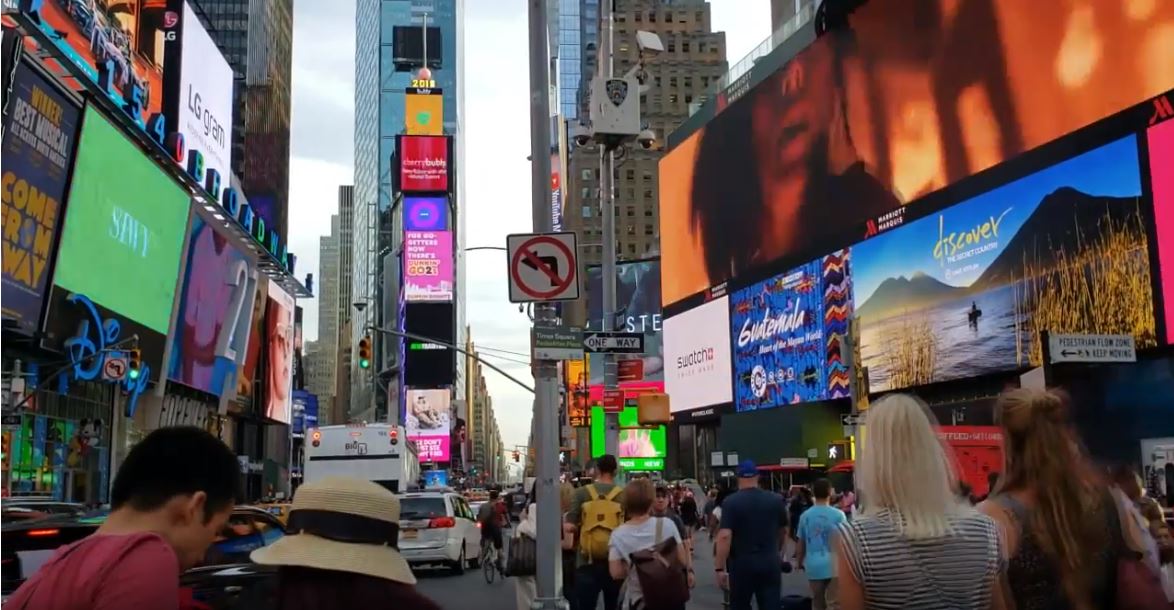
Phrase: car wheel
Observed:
(458, 567)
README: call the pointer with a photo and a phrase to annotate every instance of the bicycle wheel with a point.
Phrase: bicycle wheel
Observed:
(489, 563)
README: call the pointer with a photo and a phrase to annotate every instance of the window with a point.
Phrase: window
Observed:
(648, 213)
(651, 16)
(631, 211)
(688, 99)
(631, 229)
(688, 80)
(586, 174)
(672, 46)
(648, 193)
(704, 81)
(668, 16)
(647, 176)
(631, 174)
(631, 248)
(639, 17)
(701, 46)
(685, 46)
(672, 81)
(673, 98)
(648, 228)
(586, 211)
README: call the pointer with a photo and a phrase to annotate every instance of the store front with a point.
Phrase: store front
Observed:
(784, 435)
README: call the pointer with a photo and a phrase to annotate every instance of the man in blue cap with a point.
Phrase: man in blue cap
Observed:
(752, 533)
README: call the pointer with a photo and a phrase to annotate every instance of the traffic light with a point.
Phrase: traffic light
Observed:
(365, 352)
(134, 363)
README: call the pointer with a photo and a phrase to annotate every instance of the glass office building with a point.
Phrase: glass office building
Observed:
(379, 117)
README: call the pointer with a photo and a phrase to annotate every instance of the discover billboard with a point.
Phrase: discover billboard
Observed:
(697, 353)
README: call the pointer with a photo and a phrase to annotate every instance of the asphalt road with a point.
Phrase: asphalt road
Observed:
(471, 591)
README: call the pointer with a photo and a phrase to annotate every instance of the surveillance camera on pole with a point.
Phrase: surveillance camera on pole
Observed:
(615, 104)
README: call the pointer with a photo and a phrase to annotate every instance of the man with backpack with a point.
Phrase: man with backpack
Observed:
(596, 511)
(493, 518)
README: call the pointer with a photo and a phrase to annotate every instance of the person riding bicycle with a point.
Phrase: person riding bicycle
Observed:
(492, 516)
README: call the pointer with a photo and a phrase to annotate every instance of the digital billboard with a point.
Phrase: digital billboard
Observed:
(428, 364)
(211, 333)
(279, 335)
(429, 422)
(966, 291)
(640, 447)
(638, 297)
(203, 112)
(697, 353)
(40, 129)
(424, 112)
(425, 213)
(428, 266)
(888, 108)
(575, 374)
(788, 333)
(1160, 139)
(125, 225)
(246, 373)
(423, 164)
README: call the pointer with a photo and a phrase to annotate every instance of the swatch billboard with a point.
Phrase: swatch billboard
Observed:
(895, 105)
(697, 353)
(966, 291)
(1160, 139)
(429, 422)
(638, 297)
(40, 130)
(640, 447)
(211, 333)
(423, 164)
(428, 266)
(788, 333)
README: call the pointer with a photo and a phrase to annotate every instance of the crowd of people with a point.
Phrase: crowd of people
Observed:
(1056, 532)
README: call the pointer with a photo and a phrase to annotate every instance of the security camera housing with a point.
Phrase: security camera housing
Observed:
(360, 306)
(648, 42)
(646, 139)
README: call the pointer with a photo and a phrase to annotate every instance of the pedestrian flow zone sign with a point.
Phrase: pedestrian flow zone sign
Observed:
(1091, 348)
(542, 267)
(616, 343)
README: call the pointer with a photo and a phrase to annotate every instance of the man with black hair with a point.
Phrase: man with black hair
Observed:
(174, 492)
(814, 553)
(596, 511)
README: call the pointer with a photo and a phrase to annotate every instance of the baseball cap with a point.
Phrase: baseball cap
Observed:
(746, 469)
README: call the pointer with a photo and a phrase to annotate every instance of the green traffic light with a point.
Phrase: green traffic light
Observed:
(364, 363)
(133, 373)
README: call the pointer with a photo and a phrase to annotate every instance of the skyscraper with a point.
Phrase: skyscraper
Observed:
(322, 354)
(257, 40)
(385, 31)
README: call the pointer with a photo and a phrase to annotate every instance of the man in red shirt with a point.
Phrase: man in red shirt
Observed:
(173, 493)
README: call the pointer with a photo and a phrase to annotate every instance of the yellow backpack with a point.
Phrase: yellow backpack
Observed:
(601, 515)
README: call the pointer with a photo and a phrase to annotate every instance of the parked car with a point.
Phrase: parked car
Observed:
(23, 508)
(439, 528)
(225, 580)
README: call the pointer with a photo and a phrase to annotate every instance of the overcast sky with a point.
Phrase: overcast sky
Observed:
(497, 173)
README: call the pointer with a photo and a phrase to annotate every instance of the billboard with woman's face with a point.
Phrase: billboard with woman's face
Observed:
(279, 327)
(897, 105)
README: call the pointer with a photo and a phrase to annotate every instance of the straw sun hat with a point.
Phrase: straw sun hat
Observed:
(344, 524)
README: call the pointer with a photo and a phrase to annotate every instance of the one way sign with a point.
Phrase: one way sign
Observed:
(616, 343)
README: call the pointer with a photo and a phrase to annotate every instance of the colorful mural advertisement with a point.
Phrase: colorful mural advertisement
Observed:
(966, 291)
(1160, 139)
(429, 423)
(428, 268)
(787, 333)
(640, 448)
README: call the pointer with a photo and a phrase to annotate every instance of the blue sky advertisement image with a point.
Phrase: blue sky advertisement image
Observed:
(966, 291)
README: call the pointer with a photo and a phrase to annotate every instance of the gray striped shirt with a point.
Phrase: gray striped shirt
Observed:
(951, 573)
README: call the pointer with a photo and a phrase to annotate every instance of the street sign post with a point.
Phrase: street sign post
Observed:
(613, 401)
(1064, 348)
(616, 343)
(558, 342)
(542, 267)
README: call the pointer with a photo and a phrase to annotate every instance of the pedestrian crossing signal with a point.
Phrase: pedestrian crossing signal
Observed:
(365, 352)
(134, 364)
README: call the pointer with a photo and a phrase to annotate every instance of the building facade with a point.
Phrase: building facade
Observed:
(483, 434)
(380, 84)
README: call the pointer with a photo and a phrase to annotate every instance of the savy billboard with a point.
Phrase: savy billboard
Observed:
(429, 422)
(423, 164)
(697, 356)
(428, 266)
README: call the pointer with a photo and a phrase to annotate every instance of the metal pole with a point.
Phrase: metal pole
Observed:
(608, 205)
(545, 371)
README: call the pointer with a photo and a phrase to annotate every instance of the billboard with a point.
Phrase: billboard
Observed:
(427, 364)
(429, 421)
(787, 335)
(640, 447)
(428, 266)
(279, 334)
(125, 225)
(40, 129)
(203, 108)
(895, 105)
(423, 164)
(575, 375)
(425, 213)
(638, 297)
(211, 332)
(1160, 139)
(966, 291)
(697, 353)
(246, 372)
(424, 112)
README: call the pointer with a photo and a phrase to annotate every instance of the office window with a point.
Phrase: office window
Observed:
(631, 211)
(648, 229)
(688, 99)
(586, 174)
(639, 17)
(648, 193)
(688, 79)
(671, 47)
(673, 98)
(648, 213)
(631, 248)
(631, 174)
(672, 81)
(685, 46)
(586, 211)
(631, 229)
(651, 16)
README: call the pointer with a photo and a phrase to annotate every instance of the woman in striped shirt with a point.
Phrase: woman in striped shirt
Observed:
(914, 544)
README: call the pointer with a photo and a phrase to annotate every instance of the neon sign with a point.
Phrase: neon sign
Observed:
(95, 336)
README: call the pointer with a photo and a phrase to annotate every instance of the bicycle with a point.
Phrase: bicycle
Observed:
(489, 561)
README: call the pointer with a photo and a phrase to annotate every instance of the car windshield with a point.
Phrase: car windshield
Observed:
(422, 508)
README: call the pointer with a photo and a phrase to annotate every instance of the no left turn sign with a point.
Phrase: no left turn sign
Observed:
(542, 267)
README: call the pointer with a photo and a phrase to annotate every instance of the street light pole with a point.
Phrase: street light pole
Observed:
(545, 371)
(607, 163)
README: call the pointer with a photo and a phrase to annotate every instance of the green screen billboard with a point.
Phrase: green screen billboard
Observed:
(641, 448)
(125, 224)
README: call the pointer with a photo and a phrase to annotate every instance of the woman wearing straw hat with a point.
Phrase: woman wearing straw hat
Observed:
(342, 549)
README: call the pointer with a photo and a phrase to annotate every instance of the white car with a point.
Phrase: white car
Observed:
(438, 528)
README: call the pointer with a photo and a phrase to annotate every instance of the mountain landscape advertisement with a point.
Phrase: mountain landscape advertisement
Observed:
(966, 291)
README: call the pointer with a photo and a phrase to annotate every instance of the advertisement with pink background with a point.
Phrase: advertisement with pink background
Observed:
(1161, 148)
(428, 268)
(429, 423)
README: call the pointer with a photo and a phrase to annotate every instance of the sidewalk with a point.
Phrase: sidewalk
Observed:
(708, 596)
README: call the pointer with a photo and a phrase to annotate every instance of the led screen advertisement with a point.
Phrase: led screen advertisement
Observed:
(279, 336)
(638, 297)
(424, 112)
(429, 420)
(125, 225)
(697, 356)
(575, 374)
(40, 129)
(211, 333)
(896, 105)
(427, 364)
(640, 448)
(425, 213)
(1160, 139)
(787, 335)
(423, 164)
(428, 266)
(966, 291)
(247, 371)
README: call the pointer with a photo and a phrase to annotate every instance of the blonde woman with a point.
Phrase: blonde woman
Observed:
(913, 544)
